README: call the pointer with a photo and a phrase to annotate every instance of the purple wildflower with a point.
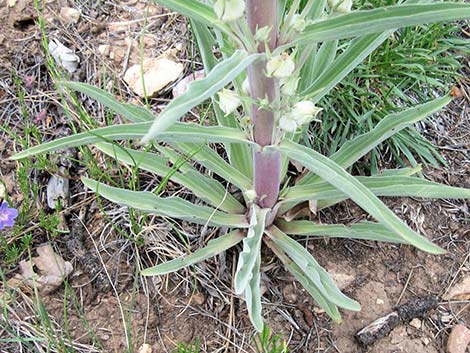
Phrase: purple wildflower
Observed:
(7, 215)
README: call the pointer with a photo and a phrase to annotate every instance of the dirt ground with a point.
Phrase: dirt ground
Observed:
(198, 302)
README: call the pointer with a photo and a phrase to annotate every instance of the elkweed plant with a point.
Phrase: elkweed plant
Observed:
(267, 66)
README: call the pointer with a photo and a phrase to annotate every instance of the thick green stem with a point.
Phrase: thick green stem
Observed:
(267, 165)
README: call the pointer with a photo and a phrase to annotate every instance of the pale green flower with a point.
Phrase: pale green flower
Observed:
(298, 23)
(280, 66)
(229, 10)
(287, 124)
(303, 112)
(228, 101)
(289, 85)
(343, 6)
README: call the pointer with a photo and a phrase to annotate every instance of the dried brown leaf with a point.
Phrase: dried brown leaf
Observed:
(51, 271)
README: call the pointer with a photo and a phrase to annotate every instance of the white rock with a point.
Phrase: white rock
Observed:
(416, 323)
(157, 74)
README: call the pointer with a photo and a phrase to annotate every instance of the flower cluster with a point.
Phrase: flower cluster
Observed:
(7, 215)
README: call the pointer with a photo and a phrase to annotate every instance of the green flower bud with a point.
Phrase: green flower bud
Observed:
(262, 34)
(250, 195)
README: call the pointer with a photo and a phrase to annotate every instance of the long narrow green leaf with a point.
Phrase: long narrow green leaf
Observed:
(363, 231)
(312, 269)
(330, 308)
(212, 161)
(359, 23)
(325, 56)
(251, 249)
(130, 111)
(356, 52)
(380, 186)
(253, 296)
(356, 148)
(196, 10)
(213, 248)
(239, 155)
(332, 172)
(200, 90)
(173, 207)
(180, 132)
(206, 188)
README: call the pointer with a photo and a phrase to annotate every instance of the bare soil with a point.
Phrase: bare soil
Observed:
(198, 302)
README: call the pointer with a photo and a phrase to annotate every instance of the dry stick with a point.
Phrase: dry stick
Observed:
(403, 313)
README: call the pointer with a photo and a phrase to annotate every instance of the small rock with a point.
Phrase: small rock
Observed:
(460, 291)
(398, 335)
(199, 298)
(145, 348)
(379, 301)
(459, 339)
(69, 15)
(416, 323)
(425, 341)
(157, 74)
